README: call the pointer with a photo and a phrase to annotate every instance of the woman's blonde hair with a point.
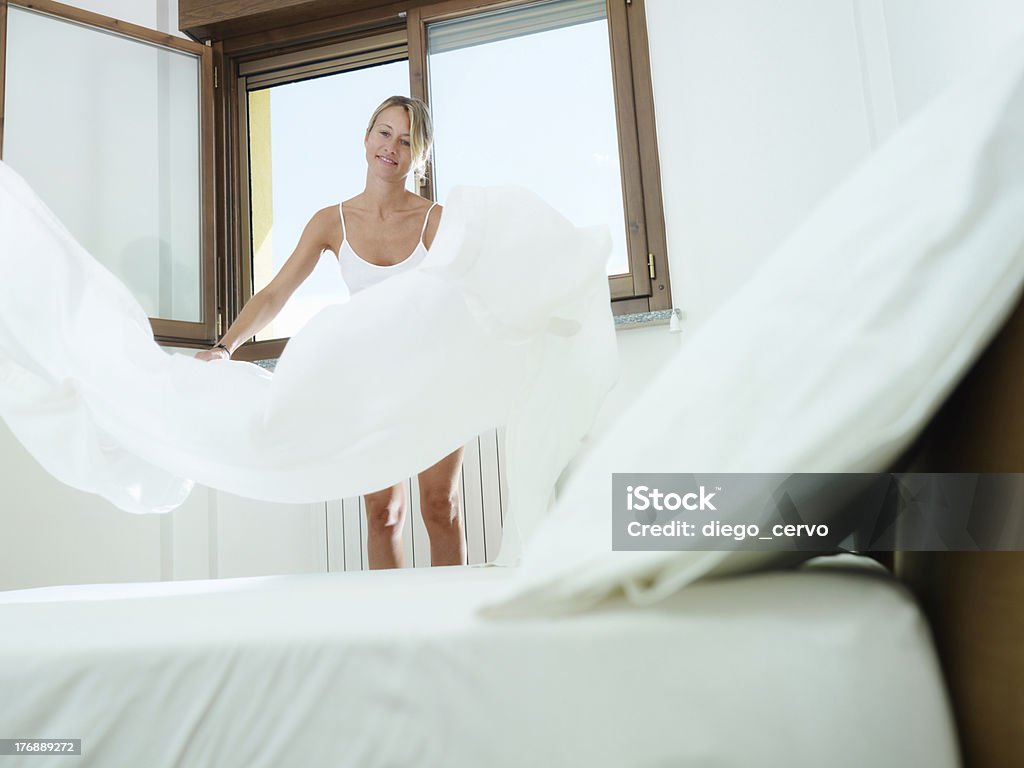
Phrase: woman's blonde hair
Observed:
(421, 130)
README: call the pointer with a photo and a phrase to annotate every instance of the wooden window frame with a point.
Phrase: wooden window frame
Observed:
(171, 332)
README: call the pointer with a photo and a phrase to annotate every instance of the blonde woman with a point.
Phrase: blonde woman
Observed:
(382, 231)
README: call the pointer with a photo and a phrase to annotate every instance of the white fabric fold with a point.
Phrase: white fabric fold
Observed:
(506, 318)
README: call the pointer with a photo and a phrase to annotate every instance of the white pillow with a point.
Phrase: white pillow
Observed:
(831, 358)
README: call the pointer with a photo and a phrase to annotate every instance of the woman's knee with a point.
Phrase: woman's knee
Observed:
(386, 509)
(439, 506)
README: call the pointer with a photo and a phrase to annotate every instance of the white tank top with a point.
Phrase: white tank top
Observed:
(358, 273)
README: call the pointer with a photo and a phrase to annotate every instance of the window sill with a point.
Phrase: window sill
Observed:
(644, 319)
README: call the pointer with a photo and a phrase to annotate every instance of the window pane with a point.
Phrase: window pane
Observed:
(306, 153)
(524, 96)
(106, 130)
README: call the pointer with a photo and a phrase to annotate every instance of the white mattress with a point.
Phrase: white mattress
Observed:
(827, 666)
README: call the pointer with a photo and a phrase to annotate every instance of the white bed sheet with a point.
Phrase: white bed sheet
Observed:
(826, 666)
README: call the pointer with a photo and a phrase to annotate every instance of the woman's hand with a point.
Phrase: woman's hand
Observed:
(213, 353)
(266, 303)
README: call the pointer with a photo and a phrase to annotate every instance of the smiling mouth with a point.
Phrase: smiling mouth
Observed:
(386, 160)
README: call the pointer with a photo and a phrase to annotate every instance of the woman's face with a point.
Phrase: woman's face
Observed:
(388, 149)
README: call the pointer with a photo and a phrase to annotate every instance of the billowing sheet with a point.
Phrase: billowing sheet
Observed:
(506, 322)
(824, 667)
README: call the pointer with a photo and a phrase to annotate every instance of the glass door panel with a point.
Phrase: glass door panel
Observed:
(524, 96)
(106, 129)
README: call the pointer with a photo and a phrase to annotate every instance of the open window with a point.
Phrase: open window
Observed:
(302, 118)
(549, 95)
(90, 102)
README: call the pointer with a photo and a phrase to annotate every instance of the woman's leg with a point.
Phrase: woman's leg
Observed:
(385, 516)
(441, 506)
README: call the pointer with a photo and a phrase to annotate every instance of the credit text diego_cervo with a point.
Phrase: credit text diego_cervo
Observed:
(716, 529)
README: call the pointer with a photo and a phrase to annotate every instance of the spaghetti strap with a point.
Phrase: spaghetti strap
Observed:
(341, 215)
(425, 220)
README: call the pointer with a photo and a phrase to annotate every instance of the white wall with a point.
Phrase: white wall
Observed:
(931, 42)
(762, 108)
(760, 111)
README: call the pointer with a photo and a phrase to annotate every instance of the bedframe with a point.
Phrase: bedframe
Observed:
(975, 600)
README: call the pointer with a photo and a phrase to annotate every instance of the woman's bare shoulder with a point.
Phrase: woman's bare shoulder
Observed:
(433, 222)
(325, 227)
(327, 217)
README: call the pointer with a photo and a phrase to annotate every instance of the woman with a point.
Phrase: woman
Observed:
(380, 232)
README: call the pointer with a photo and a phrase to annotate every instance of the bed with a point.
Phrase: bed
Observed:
(831, 664)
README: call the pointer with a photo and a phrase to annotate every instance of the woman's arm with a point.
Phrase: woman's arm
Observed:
(264, 306)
